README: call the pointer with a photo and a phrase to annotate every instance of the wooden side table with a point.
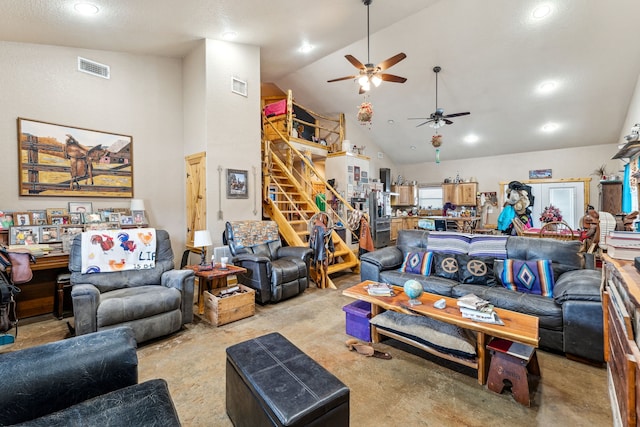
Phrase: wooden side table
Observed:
(214, 278)
(512, 362)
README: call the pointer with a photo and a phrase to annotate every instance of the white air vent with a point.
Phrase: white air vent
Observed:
(93, 68)
(238, 86)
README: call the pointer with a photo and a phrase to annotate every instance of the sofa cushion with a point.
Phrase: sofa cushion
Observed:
(417, 262)
(432, 284)
(127, 304)
(549, 313)
(444, 241)
(442, 336)
(475, 270)
(445, 265)
(532, 277)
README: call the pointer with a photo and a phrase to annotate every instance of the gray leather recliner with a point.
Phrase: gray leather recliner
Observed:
(152, 302)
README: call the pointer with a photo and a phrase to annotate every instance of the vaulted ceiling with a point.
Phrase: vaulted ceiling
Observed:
(494, 56)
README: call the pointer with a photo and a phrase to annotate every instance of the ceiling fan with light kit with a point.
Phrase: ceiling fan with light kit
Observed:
(369, 73)
(438, 119)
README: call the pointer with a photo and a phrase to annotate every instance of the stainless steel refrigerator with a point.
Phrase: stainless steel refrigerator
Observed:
(380, 218)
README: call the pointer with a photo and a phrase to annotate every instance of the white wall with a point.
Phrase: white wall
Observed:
(143, 99)
(490, 171)
(233, 132)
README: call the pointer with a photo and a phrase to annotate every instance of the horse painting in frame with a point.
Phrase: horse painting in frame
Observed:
(59, 160)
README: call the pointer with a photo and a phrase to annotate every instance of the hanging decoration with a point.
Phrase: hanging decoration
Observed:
(436, 141)
(365, 113)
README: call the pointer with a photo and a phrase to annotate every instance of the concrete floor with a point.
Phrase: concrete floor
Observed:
(412, 389)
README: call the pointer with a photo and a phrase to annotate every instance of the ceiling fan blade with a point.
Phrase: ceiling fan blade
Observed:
(418, 118)
(361, 91)
(391, 61)
(392, 78)
(424, 123)
(359, 65)
(447, 121)
(457, 114)
(342, 78)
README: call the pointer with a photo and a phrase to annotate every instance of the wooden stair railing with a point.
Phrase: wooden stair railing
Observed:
(287, 201)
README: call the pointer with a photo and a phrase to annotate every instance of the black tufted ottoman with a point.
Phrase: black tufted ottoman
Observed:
(271, 382)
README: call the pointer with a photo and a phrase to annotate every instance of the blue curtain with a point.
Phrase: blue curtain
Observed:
(626, 191)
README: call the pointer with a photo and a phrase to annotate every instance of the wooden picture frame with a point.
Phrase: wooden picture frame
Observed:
(50, 234)
(22, 219)
(62, 160)
(6, 220)
(91, 217)
(114, 217)
(38, 217)
(59, 219)
(75, 218)
(237, 184)
(29, 235)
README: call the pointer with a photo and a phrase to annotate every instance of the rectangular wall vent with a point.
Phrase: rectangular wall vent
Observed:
(93, 68)
(238, 86)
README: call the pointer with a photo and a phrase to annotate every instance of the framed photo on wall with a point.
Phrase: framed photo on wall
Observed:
(88, 163)
(237, 184)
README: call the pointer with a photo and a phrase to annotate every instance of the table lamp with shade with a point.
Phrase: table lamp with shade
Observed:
(202, 239)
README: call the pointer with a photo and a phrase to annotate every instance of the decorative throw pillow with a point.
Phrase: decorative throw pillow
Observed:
(445, 265)
(417, 262)
(475, 270)
(532, 277)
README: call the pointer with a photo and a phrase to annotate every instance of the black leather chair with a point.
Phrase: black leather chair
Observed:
(274, 271)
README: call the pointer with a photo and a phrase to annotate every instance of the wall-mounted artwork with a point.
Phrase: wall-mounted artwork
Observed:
(540, 173)
(237, 184)
(59, 160)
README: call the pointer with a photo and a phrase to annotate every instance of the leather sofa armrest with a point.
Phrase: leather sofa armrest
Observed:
(372, 263)
(578, 285)
(47, 378)
(85, 308)
(183, 281)
(242, 258)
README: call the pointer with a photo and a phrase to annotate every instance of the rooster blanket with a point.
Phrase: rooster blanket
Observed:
(105, 251)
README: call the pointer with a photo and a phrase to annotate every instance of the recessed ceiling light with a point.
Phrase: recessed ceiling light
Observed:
(229, 35)
(471, 138)
(550, 127)
(306, 48)
(86, 8)
(413, 147)
(541, 11)
(548, 86)
(391, 121)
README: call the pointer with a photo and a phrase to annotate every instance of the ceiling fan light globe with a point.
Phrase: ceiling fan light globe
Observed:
(363, 80)
(366, 86)
(376, 81)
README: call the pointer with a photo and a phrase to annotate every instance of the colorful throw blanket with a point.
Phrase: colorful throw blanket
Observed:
(105, 251)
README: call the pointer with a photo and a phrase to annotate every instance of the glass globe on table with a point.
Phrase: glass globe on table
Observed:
(413, 289)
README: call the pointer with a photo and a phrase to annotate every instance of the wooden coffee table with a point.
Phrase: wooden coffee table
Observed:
(517, 327)
(215, 278)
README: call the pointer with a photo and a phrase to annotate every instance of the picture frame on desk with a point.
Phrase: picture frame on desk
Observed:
(139, 218)
(126, 220)
(38, 217)
(22, 219)
(81, 207)
(75, 218)
(59, 219)
(6, 220)
(26, 235)
(50, 234)
(91, 217)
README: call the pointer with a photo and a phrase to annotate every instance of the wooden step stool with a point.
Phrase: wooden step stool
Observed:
(512, 363)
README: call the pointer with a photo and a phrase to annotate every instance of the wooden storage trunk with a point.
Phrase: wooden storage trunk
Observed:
(220, 311)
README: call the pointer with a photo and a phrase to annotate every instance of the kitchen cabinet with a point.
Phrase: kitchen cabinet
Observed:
(460, 194)
(407, 195)
(611, 197)
(410, 223)
(396, 225)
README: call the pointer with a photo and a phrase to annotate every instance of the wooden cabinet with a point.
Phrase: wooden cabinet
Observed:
(611, 197)
(396, 225)
(461, 194)
(407, 195)
(621, 306)
(411, 223)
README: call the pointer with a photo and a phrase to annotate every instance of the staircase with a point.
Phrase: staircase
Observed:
(289, 178)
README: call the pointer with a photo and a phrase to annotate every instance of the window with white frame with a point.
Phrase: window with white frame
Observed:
(430, 196)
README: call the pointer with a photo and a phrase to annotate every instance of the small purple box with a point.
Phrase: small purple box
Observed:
(358, 314)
